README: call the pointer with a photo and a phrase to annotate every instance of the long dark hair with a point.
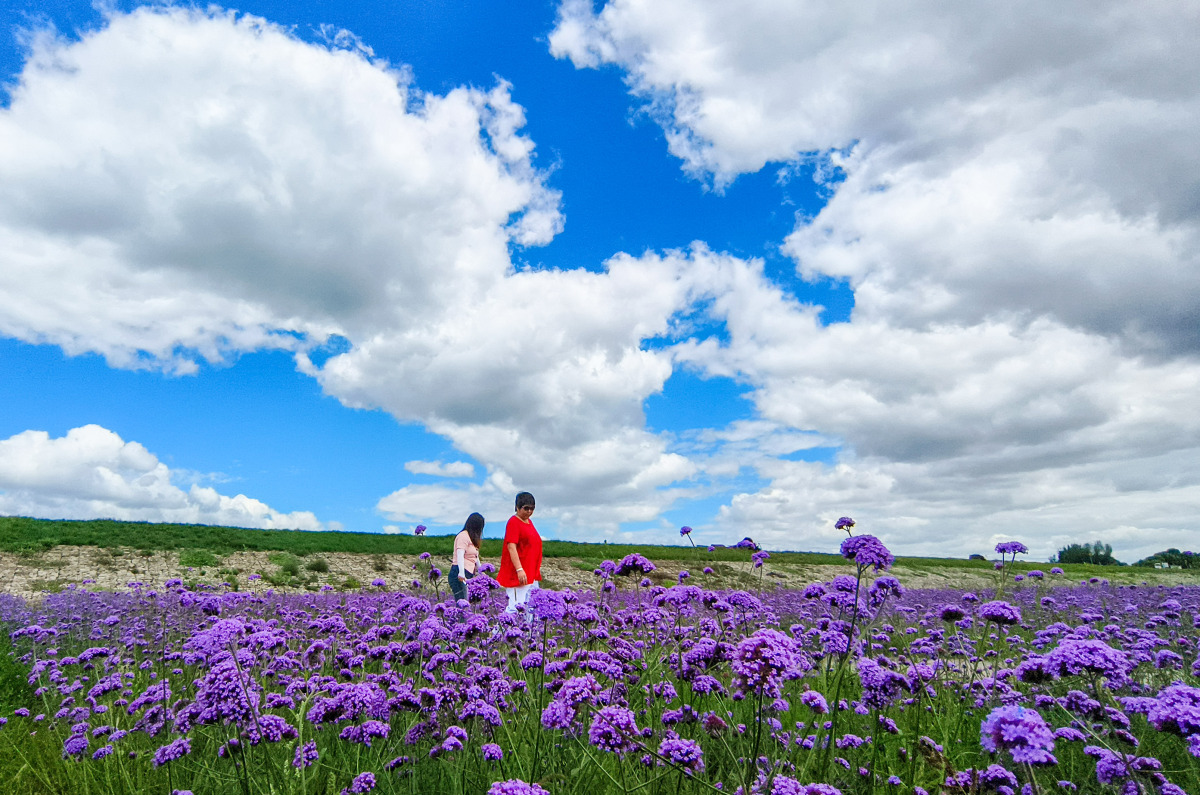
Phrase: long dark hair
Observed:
(474, 528)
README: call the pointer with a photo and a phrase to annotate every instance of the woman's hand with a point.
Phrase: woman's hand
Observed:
(521, 578)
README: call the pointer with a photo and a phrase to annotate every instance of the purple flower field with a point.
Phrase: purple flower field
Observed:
(853, 686)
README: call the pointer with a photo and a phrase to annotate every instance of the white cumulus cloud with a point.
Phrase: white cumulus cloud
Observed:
(1013, 199)
(451, 469)
(184, 184)
(94, 473)
(1019, 160)
(262, 192)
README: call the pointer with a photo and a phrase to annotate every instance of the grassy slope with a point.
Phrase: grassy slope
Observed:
(20, 534)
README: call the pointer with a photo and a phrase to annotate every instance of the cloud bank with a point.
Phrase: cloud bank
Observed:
(93, 473)
(453, 469)
(259, 192)
(1013, 198)
(264, 192)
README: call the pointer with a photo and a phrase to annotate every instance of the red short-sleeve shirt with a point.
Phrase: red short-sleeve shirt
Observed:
(529, 551)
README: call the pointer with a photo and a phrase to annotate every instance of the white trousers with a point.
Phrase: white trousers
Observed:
(519, 596)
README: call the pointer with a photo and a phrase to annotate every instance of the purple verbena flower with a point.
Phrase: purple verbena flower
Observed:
(814, 701)
(172, 751)
(765, 659)
(1021, 732)
(1075, 656)
(713, 724)
(951, 613)
(75, 745)
(559, 715)
(1176, 710)
(614, 729)
(790, 786)
(363, 782)
(1115, 768)
(634, 562)
(305, 755)
(867, 550)
(687, 754)
(999, 611)
(881, 686)
(516, 786)
(548, 605)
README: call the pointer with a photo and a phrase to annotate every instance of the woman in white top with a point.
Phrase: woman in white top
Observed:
(466, 555)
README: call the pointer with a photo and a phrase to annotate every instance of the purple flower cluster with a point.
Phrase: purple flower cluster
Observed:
(951, 613)
(867, 550)
(1177, 710)
(634, 563)
(172, 751)
(683, 753)
(764, 660)
(1021, 732)
(783, 785)
(1082, 657)
(653, 682)
(363, 782)
(1011, 548)
(881, 686)
(1000, 612)
(615, 730)
(516, 786)
(305, 755)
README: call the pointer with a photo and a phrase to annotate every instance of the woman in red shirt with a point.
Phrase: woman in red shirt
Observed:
(521, 560)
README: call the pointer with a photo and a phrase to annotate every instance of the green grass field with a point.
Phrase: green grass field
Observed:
(21, 534)
(27, 536)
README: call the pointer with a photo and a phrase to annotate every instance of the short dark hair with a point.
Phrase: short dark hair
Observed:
(525, 499)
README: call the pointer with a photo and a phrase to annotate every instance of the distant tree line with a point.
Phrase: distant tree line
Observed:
(1172, 558)
(1095, 553)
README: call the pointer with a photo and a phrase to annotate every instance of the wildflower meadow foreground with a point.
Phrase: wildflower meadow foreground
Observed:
(851, 686)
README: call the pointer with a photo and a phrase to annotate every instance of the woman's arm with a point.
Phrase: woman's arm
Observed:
(460, 561)
(516, 561)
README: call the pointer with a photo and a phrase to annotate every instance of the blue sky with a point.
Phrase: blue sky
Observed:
(363, 266)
